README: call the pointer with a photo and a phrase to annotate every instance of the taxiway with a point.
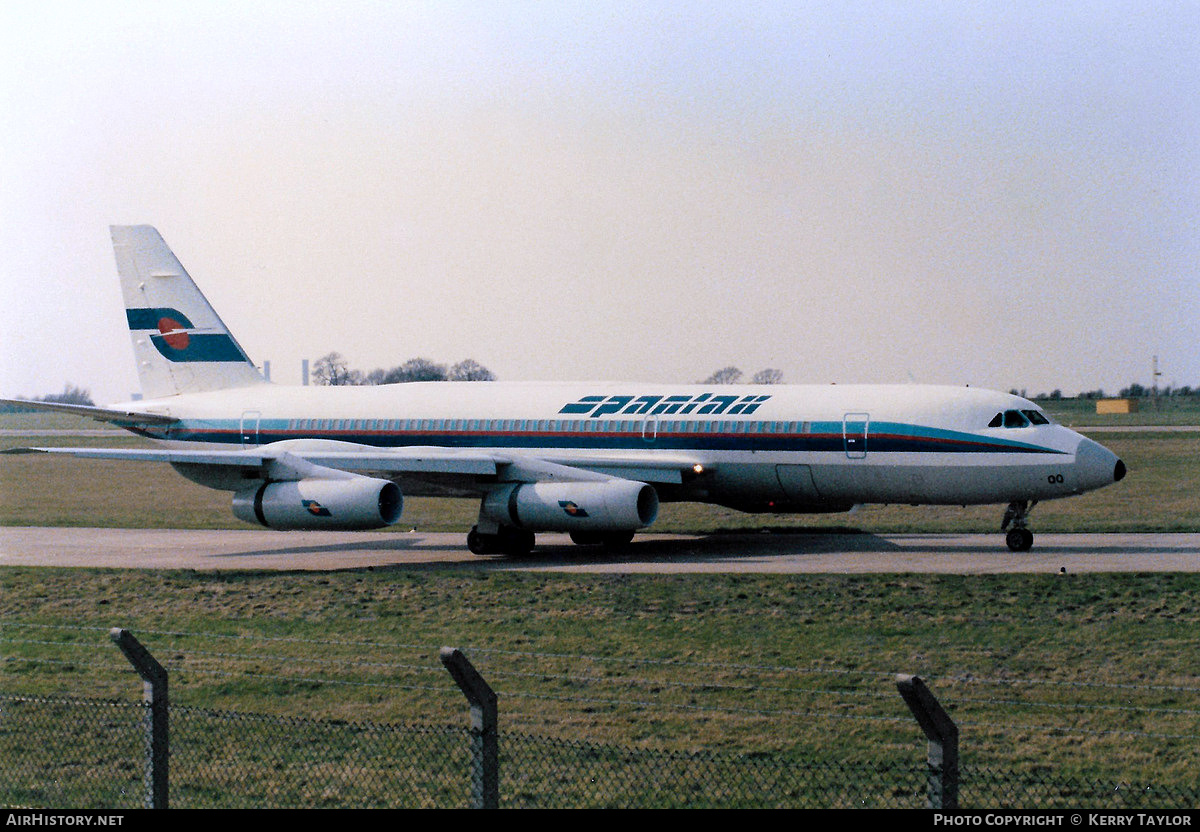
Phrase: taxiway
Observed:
(649, 553)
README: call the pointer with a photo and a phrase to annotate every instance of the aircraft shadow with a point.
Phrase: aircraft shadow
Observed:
(400, 552)
(702, 549)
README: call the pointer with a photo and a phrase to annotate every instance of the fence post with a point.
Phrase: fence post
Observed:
(485, 741)
(154, 686)
(942, 734)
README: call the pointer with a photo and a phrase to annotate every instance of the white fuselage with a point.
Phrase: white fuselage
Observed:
(758, 448)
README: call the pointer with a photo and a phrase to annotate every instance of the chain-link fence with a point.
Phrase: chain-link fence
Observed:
(89, 755)
(989, 787)
(551, 773)
(83, 754)
(74, 752)
(225, 760)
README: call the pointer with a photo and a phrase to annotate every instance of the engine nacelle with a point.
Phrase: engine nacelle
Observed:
(609, 506)
(343, 504)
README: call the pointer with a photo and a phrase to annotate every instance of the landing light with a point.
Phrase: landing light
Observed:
(698, 468)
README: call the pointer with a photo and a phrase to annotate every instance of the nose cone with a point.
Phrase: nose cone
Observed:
(1096, 466)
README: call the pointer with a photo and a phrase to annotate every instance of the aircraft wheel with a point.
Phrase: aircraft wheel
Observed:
(480, 544)
(618, 540)
(516, 542)
(1019, 540)
(609, 540)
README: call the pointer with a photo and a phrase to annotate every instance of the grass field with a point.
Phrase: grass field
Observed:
(1087, 674)
(1165, 410)
(1084, 675)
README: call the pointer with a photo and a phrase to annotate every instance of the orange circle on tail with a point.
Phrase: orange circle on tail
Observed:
(173, 333)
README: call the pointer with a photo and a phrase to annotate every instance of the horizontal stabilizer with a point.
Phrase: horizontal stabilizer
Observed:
(101, 414)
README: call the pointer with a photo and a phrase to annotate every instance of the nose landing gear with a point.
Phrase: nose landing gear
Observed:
(1019, 537)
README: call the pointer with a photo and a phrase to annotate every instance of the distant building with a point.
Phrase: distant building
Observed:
(1116, 406)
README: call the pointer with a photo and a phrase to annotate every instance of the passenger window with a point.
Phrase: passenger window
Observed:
(997, 421)
(1014, 419)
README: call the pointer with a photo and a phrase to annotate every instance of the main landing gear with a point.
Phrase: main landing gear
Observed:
(508, 540)
(1019, 537)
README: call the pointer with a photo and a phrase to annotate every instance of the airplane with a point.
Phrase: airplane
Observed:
(594, 460)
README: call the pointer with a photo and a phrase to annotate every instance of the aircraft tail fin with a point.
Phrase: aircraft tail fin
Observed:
(179, 343)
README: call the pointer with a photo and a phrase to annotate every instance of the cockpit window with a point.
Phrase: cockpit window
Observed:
(1018, 419)
(1014, 419)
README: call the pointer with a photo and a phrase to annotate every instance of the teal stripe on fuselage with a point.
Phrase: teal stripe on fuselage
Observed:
(883, 437)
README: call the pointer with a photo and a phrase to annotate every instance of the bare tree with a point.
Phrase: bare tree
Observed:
(331, 370)
(416, 369)
(470, 370)
(726, 375)
(768, 376)
(71, 395)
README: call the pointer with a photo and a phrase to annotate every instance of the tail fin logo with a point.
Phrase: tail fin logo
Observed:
(177, 339)
(174, 334)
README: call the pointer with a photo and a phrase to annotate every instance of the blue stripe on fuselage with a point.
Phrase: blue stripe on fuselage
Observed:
(884, 437)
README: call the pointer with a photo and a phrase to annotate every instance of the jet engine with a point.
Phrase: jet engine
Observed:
(342, 504)
(611, 505)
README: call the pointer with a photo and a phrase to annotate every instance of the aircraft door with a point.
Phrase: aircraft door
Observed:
(854, 434)
(650, 430)
(250, 420)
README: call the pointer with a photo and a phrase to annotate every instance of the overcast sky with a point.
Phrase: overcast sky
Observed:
(1002, 194)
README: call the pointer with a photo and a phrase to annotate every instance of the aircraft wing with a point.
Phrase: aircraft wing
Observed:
(298, 454)
(657, 469)
(436, 461)
(513, 466)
